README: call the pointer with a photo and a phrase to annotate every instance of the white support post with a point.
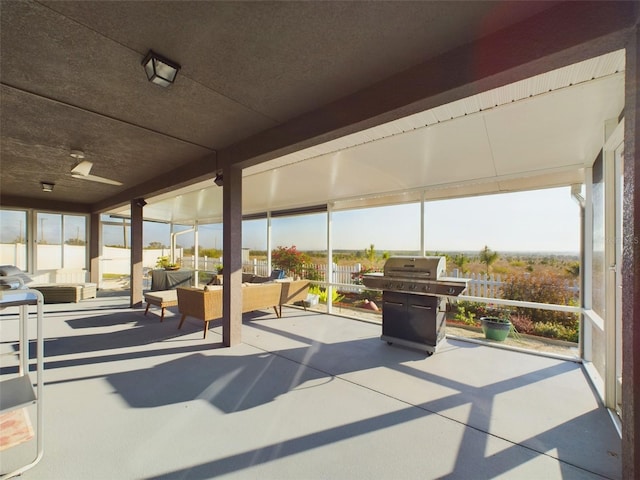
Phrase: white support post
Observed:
(196, 258)
(612, 141)
(329, 274)
(172, 243)
(32, 253)
(587, 303)
(422, 223)
(269, 248)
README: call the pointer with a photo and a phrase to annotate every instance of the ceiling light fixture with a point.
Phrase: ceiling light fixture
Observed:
(47, 187)
(160, 70)
(218, 179)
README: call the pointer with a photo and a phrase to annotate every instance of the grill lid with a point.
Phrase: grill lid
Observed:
(426, 268)
(416, 275)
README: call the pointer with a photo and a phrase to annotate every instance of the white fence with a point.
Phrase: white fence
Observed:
(342, 274)
(211, 264)
(480, 285)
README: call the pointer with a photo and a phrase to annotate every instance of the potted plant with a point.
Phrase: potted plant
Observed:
(496, 325)
(164, 262)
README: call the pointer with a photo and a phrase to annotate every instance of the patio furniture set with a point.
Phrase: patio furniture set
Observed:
(206, 303)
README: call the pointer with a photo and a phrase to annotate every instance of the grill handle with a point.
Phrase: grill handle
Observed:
(424, 307)
(394, 303)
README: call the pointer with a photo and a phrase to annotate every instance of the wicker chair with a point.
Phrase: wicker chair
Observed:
(201, 304)
(293, 292)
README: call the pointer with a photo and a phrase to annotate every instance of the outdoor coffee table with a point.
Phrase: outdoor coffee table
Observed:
(162, 299)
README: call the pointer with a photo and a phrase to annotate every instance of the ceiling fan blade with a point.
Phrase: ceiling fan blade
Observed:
(83, 168)
(95, 178)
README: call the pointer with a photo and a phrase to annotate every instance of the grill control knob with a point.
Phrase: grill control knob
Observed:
(451, 291)
(400, 285)
(427, 288)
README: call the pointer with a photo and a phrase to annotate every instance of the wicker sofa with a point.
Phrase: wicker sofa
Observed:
(206, 305)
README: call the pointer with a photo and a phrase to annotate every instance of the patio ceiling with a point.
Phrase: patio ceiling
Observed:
(537, 133)
(261, 81)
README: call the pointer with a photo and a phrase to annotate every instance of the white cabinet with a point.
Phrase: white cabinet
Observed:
(17, 391)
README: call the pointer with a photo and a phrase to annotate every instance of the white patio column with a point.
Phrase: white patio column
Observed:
(422, 240)
(269, 269)
(196, 250)
(329, 274)
(587, 266)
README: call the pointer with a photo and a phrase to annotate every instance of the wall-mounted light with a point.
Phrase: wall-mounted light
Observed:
(160, 70)
(218, 180)
(47, 187)
(140, 202)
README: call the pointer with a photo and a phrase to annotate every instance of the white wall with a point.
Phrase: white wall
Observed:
(13, 254)
(117, 260)
(113, 260)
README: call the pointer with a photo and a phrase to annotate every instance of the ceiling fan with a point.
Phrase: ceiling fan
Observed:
(82, 169)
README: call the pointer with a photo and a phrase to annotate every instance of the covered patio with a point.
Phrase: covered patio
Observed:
(489, 97)
(308, 395)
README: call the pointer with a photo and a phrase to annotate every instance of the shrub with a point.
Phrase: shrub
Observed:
(573, 269)
(487, 256)
(310, 271)
(290, 260)
(522, 324)
(541, 288)
(470, 312)
(464, 315)
(554, 330)
(322, 294)
(461, 261)
(500, 270)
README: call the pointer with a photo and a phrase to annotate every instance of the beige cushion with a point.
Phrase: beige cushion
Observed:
(167, 297)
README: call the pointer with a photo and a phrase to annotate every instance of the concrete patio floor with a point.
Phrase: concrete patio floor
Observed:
(305, 396)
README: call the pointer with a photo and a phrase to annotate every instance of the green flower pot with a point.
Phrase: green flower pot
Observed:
(495, 328)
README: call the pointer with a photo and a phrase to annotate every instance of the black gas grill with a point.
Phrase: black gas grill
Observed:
(414, 297)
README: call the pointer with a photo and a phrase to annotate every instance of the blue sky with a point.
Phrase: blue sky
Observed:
(540, 221)
(534, 221)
